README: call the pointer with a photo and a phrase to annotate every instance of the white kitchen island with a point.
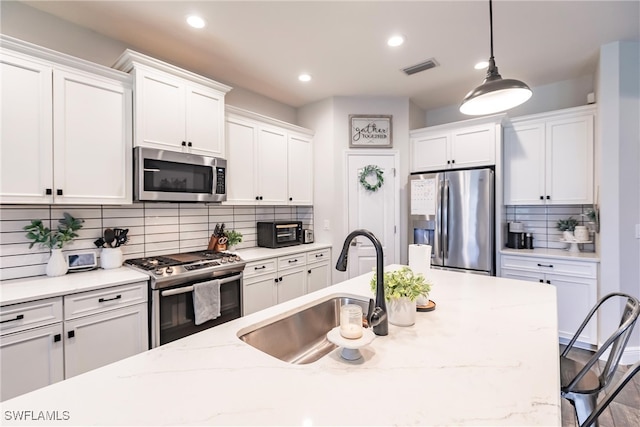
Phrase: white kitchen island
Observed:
(488, 355)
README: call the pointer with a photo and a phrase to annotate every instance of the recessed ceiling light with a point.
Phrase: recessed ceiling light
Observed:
(304, 77)
(195, 21)
(481, 65)
(395, 41)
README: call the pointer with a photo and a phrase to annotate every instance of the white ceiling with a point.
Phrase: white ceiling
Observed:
(263, 45)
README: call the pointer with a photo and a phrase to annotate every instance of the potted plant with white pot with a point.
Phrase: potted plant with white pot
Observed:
(54, 240)
(402, 288)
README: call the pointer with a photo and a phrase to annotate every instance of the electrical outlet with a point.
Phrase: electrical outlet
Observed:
(326, 224)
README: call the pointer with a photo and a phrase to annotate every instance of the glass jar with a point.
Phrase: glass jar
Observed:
(351, 321)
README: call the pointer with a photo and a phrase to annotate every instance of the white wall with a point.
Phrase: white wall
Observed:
(554, 96)
(34, 26)
(619, 131)
(330, 119)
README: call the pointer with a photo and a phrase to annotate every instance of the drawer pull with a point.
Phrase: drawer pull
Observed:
(319, 255)
(545, 265)
(293, 260)
(18, 317)
(57, 338)
(309, 271)
(71, 334)
(110, 299)
(260, 268)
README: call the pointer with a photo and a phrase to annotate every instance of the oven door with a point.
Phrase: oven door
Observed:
(173, 315)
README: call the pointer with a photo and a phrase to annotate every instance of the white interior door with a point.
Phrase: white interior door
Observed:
(376, 211)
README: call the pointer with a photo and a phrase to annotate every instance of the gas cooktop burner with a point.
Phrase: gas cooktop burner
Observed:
(168, 269)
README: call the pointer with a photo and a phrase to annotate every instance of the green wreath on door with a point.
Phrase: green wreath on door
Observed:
(371, 170)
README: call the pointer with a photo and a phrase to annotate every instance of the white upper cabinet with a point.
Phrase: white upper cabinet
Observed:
(548, 158)
(26, 163)
(467, 144)
(269, 162)
(300, 153)
(175, 109)
(272, 165)
(66, 129)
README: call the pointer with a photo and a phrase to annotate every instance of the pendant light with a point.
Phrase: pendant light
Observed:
(495, 94)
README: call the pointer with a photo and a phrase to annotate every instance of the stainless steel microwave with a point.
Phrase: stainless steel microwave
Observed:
(170, 176)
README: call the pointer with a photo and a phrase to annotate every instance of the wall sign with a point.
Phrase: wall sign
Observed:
(370, 131)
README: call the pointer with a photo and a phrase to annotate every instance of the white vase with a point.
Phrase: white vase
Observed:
(111, 258)
(57, 265)
(401, 311)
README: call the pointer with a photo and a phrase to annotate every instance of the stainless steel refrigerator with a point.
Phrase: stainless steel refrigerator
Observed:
(453, 211)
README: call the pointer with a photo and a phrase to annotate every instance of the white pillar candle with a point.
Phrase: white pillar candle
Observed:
(351, 321)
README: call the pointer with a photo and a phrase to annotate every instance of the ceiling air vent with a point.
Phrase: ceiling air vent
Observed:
(429, 63)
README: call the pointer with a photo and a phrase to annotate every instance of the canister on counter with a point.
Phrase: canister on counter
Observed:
(528, 241)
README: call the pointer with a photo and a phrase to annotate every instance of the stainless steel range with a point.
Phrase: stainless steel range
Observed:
(173, 277)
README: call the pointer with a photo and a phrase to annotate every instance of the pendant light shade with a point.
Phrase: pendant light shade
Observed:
(495, 94)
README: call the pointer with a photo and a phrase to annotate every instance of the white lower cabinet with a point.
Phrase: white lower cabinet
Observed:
(576, 288)
(274, 280)
(30, 360)
(318, 269)
(100, 339)
(45, 341)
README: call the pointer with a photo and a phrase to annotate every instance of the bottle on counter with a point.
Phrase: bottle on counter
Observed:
(528, 241)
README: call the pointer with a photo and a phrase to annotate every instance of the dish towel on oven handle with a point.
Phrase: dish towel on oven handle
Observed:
(206, 301)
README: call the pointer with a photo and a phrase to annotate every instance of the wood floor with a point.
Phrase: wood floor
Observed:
(624, 410)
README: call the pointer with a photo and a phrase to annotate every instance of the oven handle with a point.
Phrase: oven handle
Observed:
(186, 289)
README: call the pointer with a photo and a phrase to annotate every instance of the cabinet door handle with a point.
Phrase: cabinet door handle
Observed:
(48, 191)
(184, 143)
(448, 162)
(260, 197)
(290, 199)
(280, 279)
(260, 268)
(189, 144)
(275, 280)
(452, 162)
(71, 334)
(291, 261)
(57, 338)
(548, 282)
(541, 197)
(59, 191)
(110, 299)
(541, 281)
(309, 271)
(548, 197)
(18, 317)
(545, 265)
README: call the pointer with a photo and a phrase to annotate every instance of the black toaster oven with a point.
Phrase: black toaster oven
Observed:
(278, 234)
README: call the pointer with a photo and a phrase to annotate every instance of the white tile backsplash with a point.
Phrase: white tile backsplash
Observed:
(154, 229)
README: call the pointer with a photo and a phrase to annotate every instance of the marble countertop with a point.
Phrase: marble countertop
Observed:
(553, 253)
(256, 254)
(32, 288)
(488, 355)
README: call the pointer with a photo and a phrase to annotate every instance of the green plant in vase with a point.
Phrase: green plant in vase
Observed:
(54, 240)
(568, 224)
(234, 237)
(402, 288)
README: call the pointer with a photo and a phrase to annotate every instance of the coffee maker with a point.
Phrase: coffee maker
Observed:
(515, 235)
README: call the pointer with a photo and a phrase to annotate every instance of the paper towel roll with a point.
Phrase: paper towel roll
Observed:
(420, 258)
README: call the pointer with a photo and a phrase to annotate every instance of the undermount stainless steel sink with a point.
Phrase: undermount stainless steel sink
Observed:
(301, 337)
